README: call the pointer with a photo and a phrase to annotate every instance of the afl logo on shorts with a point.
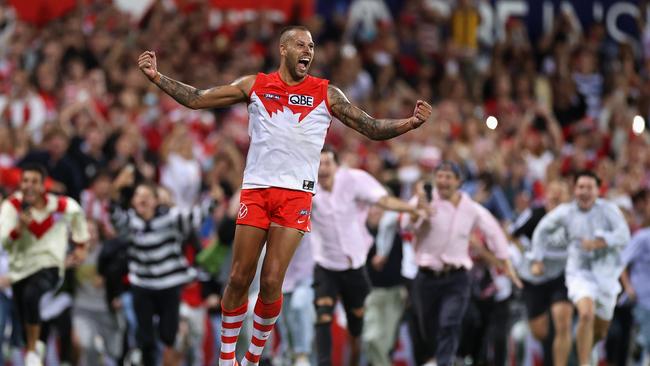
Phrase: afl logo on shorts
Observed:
(301, 100)
(303, 216)
(243, 211)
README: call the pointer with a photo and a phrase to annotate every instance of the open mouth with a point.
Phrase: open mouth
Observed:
(303, 62)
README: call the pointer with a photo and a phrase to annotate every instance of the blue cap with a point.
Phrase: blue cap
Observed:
(449, 165)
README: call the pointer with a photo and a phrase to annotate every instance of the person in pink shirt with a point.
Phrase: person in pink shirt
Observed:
(441, 289)
(340, 243)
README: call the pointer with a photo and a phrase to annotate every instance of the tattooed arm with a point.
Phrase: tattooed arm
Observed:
(375, 129)
(191, 97)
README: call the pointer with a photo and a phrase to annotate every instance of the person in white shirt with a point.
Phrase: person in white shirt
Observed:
(34, 230)
(596, 232)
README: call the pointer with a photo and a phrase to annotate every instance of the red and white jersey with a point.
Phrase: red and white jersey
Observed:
(287, 126)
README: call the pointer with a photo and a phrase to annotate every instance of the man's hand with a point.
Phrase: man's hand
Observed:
(5, 282)
(537, 268)
(424, 210)
(593, 244)
(213, 301)
(378, 262)
(512, 274)
(98, 281)
(216, 193)
(116, 303)
(630, 292)
(421, 113)
(77, 256)
(373, 128)
(421, 213)
(147, 64)
(24, 219)
(125, 178)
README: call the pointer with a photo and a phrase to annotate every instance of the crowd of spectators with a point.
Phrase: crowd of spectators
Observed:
(73, 99)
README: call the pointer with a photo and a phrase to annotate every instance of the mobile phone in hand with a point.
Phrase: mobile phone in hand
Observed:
(428, 190)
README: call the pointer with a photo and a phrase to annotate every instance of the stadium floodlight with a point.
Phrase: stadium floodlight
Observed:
(638, 125)
(491, 122)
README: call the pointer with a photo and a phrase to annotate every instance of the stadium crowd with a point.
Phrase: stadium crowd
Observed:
(73, 100)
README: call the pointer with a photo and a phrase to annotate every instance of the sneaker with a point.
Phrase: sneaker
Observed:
(40, 349)
(32, 359)
(133, 357)
(302, 361)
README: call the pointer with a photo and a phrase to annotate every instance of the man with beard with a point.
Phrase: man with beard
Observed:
(289, 115)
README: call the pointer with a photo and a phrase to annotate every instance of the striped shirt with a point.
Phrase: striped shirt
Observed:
(155, 252)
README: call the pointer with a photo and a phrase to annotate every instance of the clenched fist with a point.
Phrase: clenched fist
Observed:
(421, 113)
(537, 268)
(147, 64)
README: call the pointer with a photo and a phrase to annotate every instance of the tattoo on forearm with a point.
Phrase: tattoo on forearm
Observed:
(184, 94)
(351, 116)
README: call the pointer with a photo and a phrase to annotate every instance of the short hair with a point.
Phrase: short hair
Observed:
(450, 166)
(151, 186)
(37, 168)
(328, 149)
(284, 33)
(103, 173)
(588, 174)
(56, 132)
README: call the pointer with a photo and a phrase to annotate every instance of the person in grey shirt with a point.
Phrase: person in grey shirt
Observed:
(545, 292)
(596, 232)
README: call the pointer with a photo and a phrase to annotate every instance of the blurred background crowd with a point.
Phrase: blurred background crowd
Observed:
(73, 99)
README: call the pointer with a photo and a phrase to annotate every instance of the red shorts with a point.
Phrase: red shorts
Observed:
(284, 207)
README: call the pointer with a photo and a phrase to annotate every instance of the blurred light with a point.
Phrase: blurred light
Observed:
(491, 122)
(638, 125)
(348, 51)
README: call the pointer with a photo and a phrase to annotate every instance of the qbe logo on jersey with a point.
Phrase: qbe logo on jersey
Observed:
(301, 100)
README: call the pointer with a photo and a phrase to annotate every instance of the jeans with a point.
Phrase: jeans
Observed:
(129, 313)
(8, 315)
(642, 317)
(100, 335)
(215, 322)
(194, 317)
(296, 324)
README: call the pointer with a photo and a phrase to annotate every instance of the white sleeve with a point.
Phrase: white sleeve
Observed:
(367, 188)
(78, 223)
(8, 222)
(388, 226)
(545, 229)
(619, 236)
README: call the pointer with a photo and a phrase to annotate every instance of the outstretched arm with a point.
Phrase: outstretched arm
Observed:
(375, 129)
(191, 97)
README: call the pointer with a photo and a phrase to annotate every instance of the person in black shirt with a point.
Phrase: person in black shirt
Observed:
(87, 152)
(544, 290)
(385, 303)
(63, 170)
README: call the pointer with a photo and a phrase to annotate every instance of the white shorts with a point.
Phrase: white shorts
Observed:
(584, 284)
